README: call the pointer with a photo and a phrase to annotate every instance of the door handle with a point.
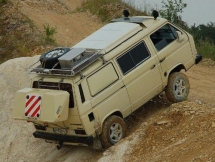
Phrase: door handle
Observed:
(152, 67)
(162, 59)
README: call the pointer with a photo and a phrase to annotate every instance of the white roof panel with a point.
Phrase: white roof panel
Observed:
(109, 36)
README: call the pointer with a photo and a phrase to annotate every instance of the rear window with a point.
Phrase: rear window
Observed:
(56, 86)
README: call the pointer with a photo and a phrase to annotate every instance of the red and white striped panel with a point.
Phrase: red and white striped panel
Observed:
(33, 106)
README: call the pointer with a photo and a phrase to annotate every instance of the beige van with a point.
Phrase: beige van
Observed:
(81, 95)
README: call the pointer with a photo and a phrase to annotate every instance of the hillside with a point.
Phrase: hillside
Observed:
(158, 131)
(71, 27)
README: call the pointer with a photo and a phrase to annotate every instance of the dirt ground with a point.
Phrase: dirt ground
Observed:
(71, 26)
(158, 131)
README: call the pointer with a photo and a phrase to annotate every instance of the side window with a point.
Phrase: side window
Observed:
(163, 36)
(81, 93)
(102, 79)
(133, 58)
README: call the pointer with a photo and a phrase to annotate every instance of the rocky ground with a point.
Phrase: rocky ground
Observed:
(158, 131)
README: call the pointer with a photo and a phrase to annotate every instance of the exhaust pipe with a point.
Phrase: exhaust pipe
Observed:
(59, 145)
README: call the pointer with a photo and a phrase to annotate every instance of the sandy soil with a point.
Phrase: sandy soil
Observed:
(158, 131)
(71, 26)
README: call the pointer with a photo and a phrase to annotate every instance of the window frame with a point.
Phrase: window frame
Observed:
(170, 27)
(128, 52)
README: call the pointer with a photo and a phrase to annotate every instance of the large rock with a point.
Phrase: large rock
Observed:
(13, 134)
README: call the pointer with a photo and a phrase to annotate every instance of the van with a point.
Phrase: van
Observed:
(81, 95)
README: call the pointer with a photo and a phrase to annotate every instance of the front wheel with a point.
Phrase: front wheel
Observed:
(114, 129)
(178, 87)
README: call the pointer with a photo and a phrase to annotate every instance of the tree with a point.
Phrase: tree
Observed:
(203, 32)
(171, 9)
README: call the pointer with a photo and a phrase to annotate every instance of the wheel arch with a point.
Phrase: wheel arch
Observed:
(177, 68)
(115, 112)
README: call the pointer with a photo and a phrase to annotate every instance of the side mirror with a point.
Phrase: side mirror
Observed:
(180, 36)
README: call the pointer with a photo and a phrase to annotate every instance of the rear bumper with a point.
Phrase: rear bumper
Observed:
(198, 58)
(64, 138)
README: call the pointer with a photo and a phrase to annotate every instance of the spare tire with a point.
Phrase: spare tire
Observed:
(50, 58)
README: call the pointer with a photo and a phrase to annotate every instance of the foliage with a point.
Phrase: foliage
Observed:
(4, 1)
(206, 48)
(204, 36)
(18, 35)
(204, 32)
(49, 31)
(171, 9)
(107, 10)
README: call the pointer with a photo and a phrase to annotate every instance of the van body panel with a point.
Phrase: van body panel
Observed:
(91, 124)
(145, 81)
(102, 79)
(106, 93)
(118, 101)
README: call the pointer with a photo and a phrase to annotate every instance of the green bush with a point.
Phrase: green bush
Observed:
(4, 1)
(107, 10)
(206, 48)
(49, 33)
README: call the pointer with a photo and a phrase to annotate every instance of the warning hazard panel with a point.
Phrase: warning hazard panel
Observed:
(33, 106)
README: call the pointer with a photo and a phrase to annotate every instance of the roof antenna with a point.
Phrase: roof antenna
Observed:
(155, 14)
(126, 14)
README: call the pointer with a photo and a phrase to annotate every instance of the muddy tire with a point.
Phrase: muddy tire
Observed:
(50, 58)
(114, 129)
(178, 87)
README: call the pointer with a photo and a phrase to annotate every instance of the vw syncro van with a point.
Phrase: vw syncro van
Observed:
(81, 94)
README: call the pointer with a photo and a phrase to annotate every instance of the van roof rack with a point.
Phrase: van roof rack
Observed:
(134, 19)
(71, 63)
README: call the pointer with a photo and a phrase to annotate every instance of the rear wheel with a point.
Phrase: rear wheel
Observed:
(114, 129)
(178, 87)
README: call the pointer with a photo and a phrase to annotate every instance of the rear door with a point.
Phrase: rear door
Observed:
(141, 74)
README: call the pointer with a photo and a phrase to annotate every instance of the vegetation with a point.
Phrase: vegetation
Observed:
(171, 9)
(4, 1)
(206, 48)
(19, 36)
(204, 32)
(204, 36)
(49, 33)
(107, 10)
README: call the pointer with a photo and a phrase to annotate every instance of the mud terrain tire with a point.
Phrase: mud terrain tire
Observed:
(178, 87)
(50, 58)
(114, 129)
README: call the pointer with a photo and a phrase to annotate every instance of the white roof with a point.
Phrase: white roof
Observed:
(109, 36)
